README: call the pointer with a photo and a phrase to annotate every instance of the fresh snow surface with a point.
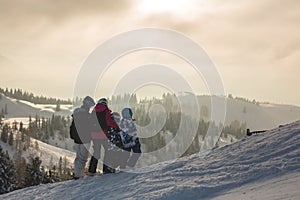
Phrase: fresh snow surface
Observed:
(263, 166)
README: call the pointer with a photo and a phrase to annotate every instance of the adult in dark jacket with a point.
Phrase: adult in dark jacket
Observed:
(82, 137)
(104, 122)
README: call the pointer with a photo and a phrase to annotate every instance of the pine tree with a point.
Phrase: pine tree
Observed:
(22, 136)
(65, 165)
(27, 141)
(36, 145)
(33, 174)
(50, 166)
(4, 135)
(30, 124)
(11, 139)
(7, 173)
(60, 166)
(21, 127)
(46, 177)
(15, 125)
(2, 112)
(20, 166)
(57, 109)
(5, 109)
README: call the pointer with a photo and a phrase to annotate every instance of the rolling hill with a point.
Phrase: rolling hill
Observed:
(263, 166)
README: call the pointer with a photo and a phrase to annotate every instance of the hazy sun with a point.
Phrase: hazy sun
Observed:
(163, 6)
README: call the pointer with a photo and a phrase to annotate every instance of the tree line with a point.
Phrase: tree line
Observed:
(29, 96)
(174, 115)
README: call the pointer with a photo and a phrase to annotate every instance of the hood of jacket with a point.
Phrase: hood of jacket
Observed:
(100, 107)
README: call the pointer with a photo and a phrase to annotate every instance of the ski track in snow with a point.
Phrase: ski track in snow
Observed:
(258, 167)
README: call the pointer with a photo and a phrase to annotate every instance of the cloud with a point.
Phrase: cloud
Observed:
(255, 44)
(242, 37)
(59, 10)
(34, 16)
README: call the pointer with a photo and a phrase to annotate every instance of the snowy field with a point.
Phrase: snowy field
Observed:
(264, 166)
(45, 152)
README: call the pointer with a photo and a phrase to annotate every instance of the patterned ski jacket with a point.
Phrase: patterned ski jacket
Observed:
(128, 126)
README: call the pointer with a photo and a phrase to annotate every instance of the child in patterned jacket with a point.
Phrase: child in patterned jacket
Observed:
(131, 153)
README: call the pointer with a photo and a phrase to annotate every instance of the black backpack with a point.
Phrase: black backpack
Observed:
(74, 133)
(73, 130)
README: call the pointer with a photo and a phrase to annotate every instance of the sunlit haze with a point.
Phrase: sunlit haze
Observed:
(255, 45)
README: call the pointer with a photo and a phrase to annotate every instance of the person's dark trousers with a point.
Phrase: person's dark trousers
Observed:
(129, 159)
(111, 161)
(135, 155)
(97, 143)
(93, 165)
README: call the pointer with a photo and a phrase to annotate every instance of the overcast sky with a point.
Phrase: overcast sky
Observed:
(255, 44)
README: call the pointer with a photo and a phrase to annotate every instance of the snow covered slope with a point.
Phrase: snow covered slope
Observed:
(264, 166)
(19, 108)
(258, 117)
(45, 152)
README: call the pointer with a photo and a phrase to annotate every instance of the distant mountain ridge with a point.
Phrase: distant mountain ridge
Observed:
(257, 116)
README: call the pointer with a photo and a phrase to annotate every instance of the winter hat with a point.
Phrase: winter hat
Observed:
(88, 101)
(102, 101)
(127, 113)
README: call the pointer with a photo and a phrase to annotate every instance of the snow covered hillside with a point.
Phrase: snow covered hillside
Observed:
(257, 117)
(19, 108)
(263, 166)
(45, 152)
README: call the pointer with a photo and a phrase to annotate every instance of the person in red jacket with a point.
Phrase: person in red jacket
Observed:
(103, 123)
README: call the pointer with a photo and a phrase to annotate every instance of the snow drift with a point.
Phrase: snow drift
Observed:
(263, 166)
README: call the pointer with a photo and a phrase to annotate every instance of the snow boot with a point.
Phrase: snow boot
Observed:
(108, 170)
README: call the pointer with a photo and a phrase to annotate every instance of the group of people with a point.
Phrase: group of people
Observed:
(106, 129)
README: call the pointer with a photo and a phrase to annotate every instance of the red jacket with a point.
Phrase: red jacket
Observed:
(105, 121)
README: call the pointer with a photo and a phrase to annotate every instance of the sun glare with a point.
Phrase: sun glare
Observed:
(164, 6)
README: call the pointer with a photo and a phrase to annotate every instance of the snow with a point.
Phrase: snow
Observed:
(24, 120)
(283, 187)
(263, 166)
(64, 143)
(20, 108)
(45, 152)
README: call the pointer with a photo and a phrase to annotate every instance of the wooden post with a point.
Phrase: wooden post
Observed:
(248, 132)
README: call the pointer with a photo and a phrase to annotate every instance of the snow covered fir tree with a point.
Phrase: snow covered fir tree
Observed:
(7, 173)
